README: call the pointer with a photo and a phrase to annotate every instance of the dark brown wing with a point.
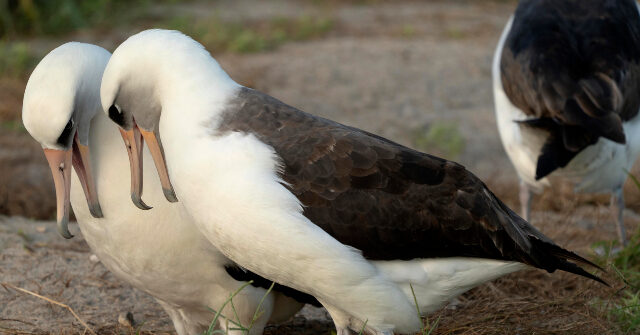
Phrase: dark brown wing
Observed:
(244, 275)
(573, 67)
(384, 199)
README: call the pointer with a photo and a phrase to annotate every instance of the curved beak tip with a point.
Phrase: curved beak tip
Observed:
(155, 147)
(139, 203)
(96, 210)
(63, 229)
(170, 194)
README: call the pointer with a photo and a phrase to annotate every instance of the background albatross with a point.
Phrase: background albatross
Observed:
(566, 81)
(344, 215)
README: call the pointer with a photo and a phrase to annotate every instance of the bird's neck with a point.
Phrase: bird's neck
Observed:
(195, 110)
(192, 104)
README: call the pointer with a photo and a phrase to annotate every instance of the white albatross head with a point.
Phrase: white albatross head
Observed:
(61, 98)
(146, 70)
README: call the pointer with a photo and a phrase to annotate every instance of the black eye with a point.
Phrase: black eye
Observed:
(67, 135)
(116, 116)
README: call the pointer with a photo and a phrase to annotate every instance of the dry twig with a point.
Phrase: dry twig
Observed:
(19, 289)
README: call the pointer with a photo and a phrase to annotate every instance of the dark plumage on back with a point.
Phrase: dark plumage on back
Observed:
(387, 200)
(572, 66)
(244, 275)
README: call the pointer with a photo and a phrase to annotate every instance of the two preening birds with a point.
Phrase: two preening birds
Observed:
(335, 216)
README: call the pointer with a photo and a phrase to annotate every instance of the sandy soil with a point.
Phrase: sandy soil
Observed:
(394, 69)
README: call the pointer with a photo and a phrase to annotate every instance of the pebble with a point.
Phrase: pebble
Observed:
(126, 319)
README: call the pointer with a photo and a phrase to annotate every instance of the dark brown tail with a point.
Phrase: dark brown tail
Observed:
(590, 113)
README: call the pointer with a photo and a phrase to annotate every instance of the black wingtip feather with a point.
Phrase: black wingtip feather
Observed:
(554, 155)
(543, 253)
(563, 258)
(575, 269)
(616, 136)
(544, 168)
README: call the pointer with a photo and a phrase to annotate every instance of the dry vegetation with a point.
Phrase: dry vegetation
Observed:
(353, 62)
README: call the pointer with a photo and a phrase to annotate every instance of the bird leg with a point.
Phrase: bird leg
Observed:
(525, 200)
(617, 210)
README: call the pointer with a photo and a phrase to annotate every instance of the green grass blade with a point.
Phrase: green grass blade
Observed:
(415, 301)
(364, 326)
(633, 178)
(432, 328)
(218, 314)
(258, 312)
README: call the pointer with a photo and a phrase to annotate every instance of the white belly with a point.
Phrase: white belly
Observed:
(598, 168)
(158, 251)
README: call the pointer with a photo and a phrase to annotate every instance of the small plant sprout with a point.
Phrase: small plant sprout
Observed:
(236, 323)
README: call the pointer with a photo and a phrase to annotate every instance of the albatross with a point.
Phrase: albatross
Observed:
(566, 75)
(349, 217)
(159, 251)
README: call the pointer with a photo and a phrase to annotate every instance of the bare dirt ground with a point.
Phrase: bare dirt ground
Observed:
(392, 68)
